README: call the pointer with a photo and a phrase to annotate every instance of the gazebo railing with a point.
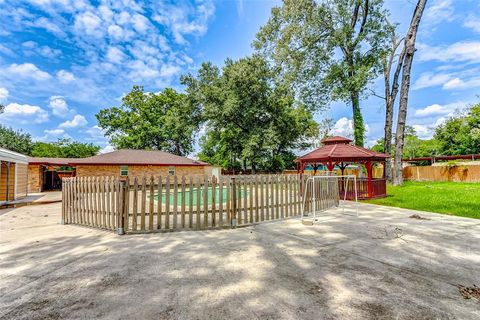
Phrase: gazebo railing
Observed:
(379, 188)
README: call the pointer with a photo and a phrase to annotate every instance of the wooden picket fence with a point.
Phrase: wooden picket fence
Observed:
(157, 204)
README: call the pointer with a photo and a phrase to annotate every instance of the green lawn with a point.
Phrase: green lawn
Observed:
(455, 198)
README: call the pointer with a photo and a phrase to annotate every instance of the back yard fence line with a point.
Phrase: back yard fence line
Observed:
(159, 204)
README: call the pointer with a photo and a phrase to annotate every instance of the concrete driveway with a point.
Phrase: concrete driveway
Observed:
(380, 265)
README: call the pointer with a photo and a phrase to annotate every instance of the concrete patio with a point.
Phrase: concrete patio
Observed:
(380, 265)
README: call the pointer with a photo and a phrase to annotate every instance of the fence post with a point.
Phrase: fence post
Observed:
(234, 204)
(64, 202)
(120, 207)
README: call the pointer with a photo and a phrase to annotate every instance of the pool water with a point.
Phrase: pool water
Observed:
(202, 192)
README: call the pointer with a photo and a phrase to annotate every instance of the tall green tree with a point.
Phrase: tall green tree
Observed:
(15, 140)
(159, 121)
(461, 133)
(330, 50)
(64, 148)
(250, 119)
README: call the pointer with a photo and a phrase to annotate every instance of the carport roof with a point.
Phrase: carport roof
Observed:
(138, 157)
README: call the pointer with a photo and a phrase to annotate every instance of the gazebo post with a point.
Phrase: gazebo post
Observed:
(368, 166)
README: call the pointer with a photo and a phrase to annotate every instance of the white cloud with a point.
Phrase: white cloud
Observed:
(115, 55)
(3, 94)
(472, 22)
(423, 131)
(344, 128)
(115, 32)
(107, 149)
(31, 47)
(428, 79)
(432, 110)
(439, 11)
(54, 132)
(458, 83)
(59, 106)
(184, 20)
(65, 76)
(24, 113)
(463, 51)
(77, 121)
(436, 109)
(89, 24)
(28, 70)
(48, 25)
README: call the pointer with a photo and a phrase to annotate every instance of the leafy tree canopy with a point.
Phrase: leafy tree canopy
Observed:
(64, 148)
(15, 140)
(414, 147)
(461, 133)
(329, 49)
(159, 121)
(250, 119)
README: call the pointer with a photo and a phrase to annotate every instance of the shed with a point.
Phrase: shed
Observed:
(13, 175)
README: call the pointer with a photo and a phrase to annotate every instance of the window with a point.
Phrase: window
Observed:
(171, 171)
(124, 171)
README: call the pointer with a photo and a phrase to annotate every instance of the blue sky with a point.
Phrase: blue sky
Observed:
(61, 61)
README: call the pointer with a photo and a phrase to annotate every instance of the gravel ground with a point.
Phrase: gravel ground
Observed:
(380, 265)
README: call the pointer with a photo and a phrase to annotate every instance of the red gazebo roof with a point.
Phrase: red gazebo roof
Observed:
(338, 149)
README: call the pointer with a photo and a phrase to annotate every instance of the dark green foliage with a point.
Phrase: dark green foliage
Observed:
(15, 140)
(461, 133)
(328, 50)
(64, 148)
(159, 121)
(250, 120)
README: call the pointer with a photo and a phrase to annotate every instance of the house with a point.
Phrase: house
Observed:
(140, 163)
(45, 174)
(13, 175)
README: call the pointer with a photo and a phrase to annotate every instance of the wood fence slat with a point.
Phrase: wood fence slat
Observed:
(113, 207)
(159, 203)
(220, 201)
(197, 217)
(277, 196)
(143, 204)
(126, 210)
(151, 202)
(250, 198)
(94, 202)
(257, 208)
(190, 202)
(205, 202)
(175, 202)
(228, 202)
(167, 203)
(213, 205)
(135, 204)
(245, 202)
(282, 196)
(267, 197)
(182, 214)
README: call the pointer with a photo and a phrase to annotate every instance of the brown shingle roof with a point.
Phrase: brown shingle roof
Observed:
(49, 161)
(138, 157)
(339, 149)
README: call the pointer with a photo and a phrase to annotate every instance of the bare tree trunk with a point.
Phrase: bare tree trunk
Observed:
(390, 96)
(402, 109)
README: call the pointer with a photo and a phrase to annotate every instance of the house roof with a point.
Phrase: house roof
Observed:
(49, 161)
(339, 149)
(138, 157)
(12, 156)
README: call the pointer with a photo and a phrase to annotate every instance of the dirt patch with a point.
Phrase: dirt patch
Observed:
(418, 217)
(470, 292)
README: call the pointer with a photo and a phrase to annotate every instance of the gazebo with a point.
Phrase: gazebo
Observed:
(338, 152)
